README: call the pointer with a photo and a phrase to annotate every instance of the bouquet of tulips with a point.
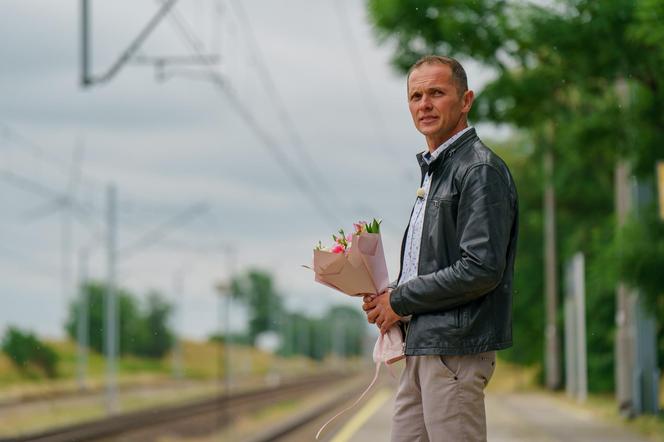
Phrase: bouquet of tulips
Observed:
(355, 263)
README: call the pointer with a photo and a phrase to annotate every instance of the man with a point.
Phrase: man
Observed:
(457, 262)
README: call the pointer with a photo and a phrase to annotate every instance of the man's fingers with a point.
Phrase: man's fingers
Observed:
(386, 325)
(371, 303)
(380, 318)
(372, 315)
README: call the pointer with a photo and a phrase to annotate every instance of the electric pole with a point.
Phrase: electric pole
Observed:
(624, 302)
(178, 292)
(111, 317)
(225, 292)
(660, 188)
(82, 332)
(550, 267)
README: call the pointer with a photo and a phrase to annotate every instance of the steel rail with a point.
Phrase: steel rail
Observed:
(159, 416)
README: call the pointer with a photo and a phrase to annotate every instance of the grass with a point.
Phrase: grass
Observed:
(510, 377)
(201, 361)
(202, 368)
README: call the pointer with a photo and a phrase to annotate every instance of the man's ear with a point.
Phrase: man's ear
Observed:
(468, 98)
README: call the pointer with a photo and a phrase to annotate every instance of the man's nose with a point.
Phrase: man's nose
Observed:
(425, 102)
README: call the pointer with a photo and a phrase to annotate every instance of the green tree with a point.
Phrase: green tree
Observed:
(154, 337)
(142, 332)
(582, 79)
(25, 350)
(95, 293)
(256, 290)
(347, 327)
(302, 335)
(340, 331)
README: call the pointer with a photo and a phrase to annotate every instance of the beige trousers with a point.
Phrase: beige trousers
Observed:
(441, 398)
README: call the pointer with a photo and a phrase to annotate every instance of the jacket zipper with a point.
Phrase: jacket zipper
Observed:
(406, 338)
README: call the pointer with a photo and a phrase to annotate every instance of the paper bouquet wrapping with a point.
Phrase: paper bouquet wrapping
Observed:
(356, 266)
(362, 270)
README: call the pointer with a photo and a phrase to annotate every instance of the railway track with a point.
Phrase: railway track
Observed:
(200, 416)
(303, 426)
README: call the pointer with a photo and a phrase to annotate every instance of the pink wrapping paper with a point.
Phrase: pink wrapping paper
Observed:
(361, 271)
(389, 348)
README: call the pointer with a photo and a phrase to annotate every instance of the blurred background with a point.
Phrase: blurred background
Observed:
(166, 168)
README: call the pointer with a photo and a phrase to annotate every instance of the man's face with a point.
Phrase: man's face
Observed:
(437, 108)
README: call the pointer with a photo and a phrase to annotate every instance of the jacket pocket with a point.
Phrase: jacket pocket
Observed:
(439, 201)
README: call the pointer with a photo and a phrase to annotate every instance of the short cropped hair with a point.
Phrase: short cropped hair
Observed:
(458, 72)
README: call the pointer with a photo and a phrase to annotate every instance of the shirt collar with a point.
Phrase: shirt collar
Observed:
(429, 157)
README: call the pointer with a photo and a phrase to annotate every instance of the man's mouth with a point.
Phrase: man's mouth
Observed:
(428, 119)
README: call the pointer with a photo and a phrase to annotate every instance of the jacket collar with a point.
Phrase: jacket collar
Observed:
(430, 167)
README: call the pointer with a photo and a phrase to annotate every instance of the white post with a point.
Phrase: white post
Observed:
(576, 369)
(581, 346)
(111, 317)
(660, 188)
(624, 311)
(178, 293)
(552, 346)
(82, 323)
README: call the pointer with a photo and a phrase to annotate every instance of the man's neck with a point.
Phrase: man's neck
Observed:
(434, 142)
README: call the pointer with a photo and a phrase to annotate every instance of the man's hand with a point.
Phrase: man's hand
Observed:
(379, 311)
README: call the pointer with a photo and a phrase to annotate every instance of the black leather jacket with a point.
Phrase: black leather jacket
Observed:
(461, 302)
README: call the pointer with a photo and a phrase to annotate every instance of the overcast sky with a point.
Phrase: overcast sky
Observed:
(322, 99)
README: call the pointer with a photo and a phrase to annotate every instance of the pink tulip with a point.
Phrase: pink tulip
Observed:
(339, 249)
(359, 226)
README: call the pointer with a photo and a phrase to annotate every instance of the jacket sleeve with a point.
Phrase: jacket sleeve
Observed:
(484, 220)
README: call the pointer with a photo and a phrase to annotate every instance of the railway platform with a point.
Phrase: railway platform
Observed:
(511, 417)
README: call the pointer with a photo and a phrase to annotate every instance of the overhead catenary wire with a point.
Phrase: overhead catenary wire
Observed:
(199, 253)
(28, 263)
(296, 139)
(127, 54)
(266, 139)
(316, 174)
(38, 152)
(155, 235)
(316, 178)
(215, 34)
(83, 214)
(364, 86)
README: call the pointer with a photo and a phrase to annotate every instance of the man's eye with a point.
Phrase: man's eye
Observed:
(437, 93)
